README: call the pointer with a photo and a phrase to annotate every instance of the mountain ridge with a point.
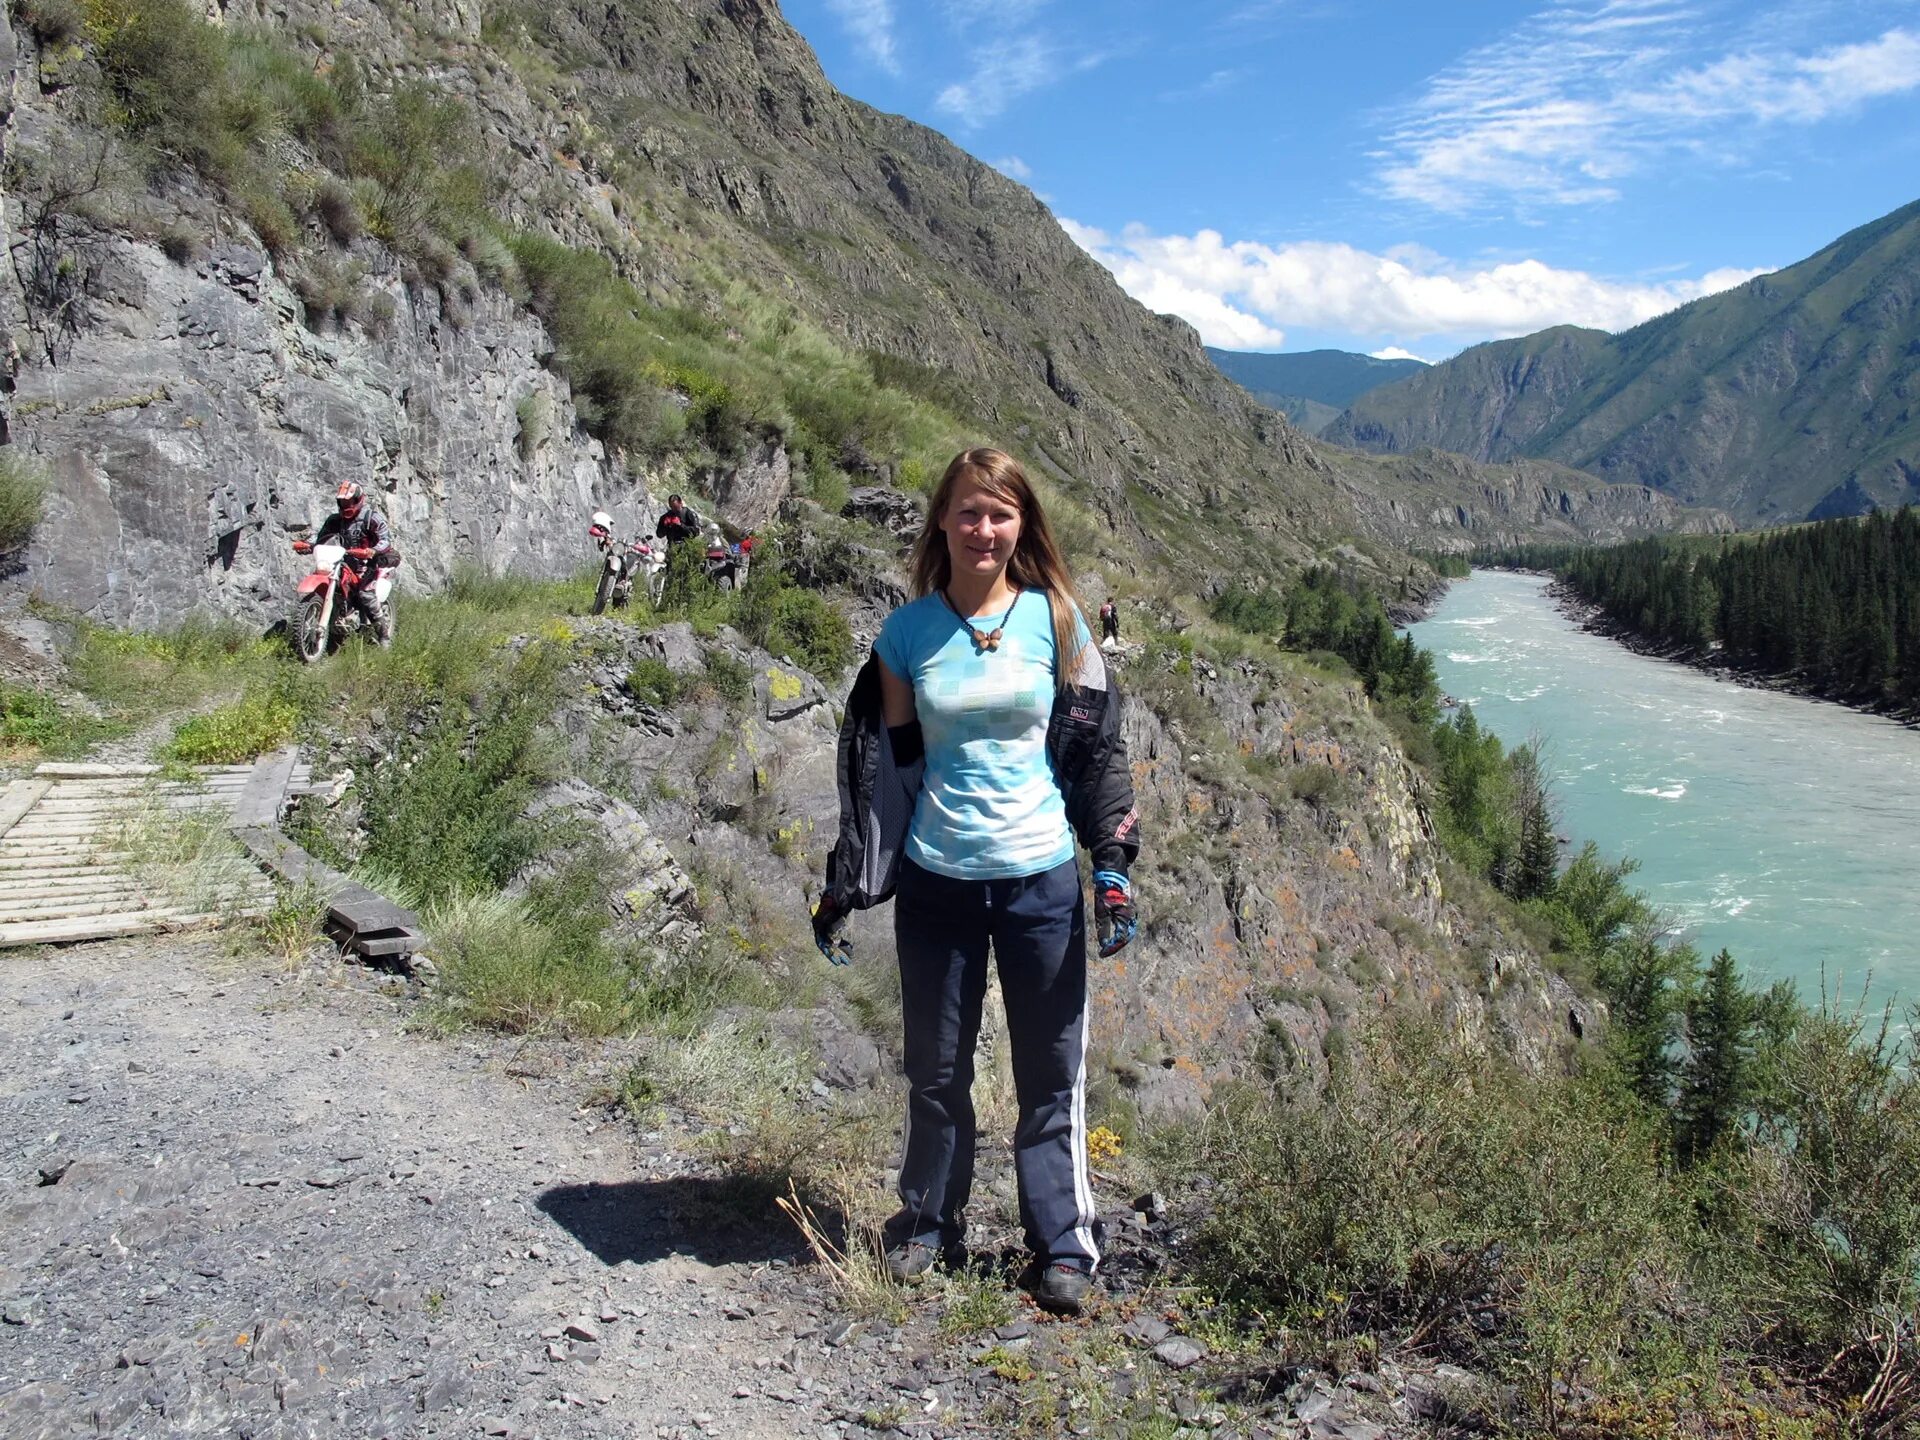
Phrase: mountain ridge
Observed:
(1787, 397)
(1309, 387)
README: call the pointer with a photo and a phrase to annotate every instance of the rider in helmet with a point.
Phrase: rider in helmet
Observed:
(369, 542)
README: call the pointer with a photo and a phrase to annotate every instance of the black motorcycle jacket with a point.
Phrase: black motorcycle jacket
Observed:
(673, 528)
(877, 794)
(366, 531)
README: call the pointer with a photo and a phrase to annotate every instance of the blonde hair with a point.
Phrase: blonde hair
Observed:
(1037, 563)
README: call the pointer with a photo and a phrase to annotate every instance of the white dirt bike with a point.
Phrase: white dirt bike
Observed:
(621, 563)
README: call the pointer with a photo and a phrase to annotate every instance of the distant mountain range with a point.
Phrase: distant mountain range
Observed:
(1796, 395)
(1309, 387)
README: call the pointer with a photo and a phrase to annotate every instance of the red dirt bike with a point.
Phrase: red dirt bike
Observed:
(727, 564)
(324, 615)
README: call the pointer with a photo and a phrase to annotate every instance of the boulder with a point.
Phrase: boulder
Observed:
(648, 891)
(843, 1058)
(890, 509)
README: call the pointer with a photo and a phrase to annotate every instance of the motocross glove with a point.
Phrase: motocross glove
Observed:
(303, 547)
(361, 552)
(1113, 918)
(829, 931)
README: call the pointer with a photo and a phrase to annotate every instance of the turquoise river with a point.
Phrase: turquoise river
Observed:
(1786, 829)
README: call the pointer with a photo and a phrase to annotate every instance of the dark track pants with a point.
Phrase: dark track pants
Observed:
(1036, 929)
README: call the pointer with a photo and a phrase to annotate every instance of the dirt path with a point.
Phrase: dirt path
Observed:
(243, 1205)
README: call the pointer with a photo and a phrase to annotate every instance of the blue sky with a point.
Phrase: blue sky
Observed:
(1412, 175)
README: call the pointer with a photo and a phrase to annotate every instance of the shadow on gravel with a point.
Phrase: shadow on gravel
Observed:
(718, 1222)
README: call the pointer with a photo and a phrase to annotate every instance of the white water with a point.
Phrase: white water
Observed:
(1783, 828)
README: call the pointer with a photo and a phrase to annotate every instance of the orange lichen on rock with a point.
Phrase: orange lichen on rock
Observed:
(1288, 899)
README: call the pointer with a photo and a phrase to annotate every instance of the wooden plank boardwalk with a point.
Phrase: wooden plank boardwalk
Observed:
(63, 873)
(65, 877)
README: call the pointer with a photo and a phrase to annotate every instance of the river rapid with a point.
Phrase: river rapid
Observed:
(1783, 828)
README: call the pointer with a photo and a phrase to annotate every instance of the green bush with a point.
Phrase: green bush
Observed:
(653, 681)
(828, 487)
(1428, 1184)
(53, 22)
(260, 721)
(730, 677)
(684, 583)
(447, 816)
(23, 495)
(785, 620)
(165, 71)
(808, 628)
(33, 721)
(1817, 1240)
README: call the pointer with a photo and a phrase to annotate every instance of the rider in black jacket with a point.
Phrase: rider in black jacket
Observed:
(363, 530)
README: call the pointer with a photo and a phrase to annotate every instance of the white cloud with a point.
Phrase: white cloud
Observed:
(1581, 96)
(1002, 72)
(871, 22)
(1394, 352)
(994, 12)
(1796, 90)
(1006, 69)
(1242, 294)
(1013, 167)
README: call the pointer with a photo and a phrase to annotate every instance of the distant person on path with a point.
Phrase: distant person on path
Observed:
(1109, 621)
(677, 522)
(980, 739)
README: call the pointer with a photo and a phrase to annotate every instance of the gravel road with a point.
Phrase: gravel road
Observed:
(240, 1202)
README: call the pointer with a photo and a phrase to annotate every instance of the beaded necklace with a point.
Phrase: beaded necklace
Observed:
(989, 640)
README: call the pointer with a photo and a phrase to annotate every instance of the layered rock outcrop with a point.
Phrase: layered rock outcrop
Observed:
(197, 422)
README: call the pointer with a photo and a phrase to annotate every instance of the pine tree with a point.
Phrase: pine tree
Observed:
(1716, 1081)
(1647, 983)
(1538, 858)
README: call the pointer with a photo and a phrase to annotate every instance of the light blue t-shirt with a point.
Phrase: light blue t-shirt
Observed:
(989, 808)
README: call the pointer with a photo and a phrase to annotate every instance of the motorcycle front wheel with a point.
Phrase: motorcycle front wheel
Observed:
(605, 590)
(308, 628)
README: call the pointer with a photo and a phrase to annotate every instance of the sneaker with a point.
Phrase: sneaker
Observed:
(909, 1263)
(1061, 1287)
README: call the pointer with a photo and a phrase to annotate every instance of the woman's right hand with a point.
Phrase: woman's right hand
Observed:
(829, 931)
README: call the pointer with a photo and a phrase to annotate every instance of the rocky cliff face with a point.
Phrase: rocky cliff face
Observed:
(198, 421)
(1441, 500)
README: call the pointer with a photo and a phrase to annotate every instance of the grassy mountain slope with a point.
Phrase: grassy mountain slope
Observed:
(908, 246)
(1790, 396)
(1309, 387)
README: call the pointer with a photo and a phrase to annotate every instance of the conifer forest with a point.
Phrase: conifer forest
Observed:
(1831, 608)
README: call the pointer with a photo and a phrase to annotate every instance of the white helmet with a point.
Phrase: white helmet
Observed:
(603, 519)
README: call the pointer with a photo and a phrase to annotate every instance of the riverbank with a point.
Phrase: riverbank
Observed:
(1591, 618)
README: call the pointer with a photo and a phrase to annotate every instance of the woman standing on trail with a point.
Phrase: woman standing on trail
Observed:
(979, 740)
